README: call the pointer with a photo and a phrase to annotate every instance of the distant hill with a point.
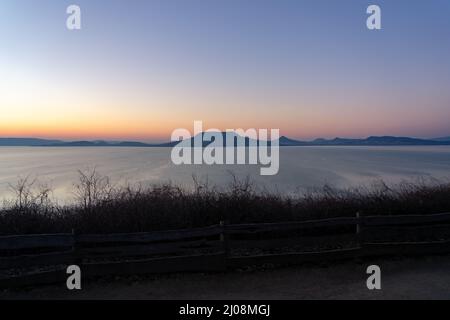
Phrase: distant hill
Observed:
(102, 143)
(370, 141)
(442, 139)
(377, 141)
(286, 142)
(33, 142)
(25, 142)
(283, 142)
(238, 140)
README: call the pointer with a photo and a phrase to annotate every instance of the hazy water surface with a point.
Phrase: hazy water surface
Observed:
(300, 167)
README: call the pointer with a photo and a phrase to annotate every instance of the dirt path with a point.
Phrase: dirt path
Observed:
(424, 278)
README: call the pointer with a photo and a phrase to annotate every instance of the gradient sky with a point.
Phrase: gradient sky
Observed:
(141, 68)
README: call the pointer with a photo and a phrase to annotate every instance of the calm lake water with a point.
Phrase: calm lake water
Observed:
(300, 167)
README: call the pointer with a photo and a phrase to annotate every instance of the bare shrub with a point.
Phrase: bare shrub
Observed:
(23, 191)
(92, 189)
(138, 208)
(30, 193)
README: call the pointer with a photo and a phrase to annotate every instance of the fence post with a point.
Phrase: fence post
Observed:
(224, 241)
(75, 255)
(222, 231)
(358, 229)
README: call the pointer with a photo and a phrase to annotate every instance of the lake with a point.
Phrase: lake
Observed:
(301, 168)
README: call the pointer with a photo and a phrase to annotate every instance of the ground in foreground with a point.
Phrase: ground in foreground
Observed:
(420, 278)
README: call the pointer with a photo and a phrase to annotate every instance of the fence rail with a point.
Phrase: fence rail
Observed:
(218, 247)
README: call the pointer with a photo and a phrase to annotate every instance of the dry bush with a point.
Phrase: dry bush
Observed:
(100, 208)
(92, 189)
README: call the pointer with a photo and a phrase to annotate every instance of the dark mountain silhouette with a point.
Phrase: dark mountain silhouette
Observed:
(238, 141)
(370, 141)
(25, 142)
(377, 141)
(101, 143)
(285, 141)
(442, 139)
(80, 144)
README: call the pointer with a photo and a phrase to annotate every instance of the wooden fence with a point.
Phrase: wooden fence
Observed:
(39, 259)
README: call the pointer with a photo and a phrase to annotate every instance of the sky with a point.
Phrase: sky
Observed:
(139, 69)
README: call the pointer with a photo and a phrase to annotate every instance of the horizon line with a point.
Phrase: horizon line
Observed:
(169, 140)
